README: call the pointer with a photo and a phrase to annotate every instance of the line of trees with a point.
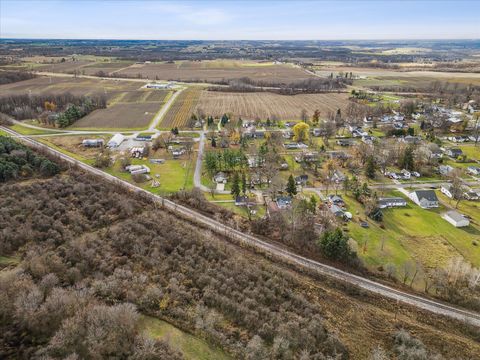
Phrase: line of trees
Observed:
(8, 77)
(60, 109)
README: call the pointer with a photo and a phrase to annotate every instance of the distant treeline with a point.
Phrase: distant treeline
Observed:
(7, 77)
(307, 86)
(60, 110)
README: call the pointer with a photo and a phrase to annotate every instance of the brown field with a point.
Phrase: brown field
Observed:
(73, 144)
(261, 105)
(121, 115)
(181, 110)
(75, 86)
(107, 67)
(65, 67)
(216, 71)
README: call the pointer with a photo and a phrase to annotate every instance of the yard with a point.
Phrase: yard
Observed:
(412, 234)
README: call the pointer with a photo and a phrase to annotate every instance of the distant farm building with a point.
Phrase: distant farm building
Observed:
(92, 143)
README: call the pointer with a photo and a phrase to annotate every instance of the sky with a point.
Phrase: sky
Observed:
(240, 20)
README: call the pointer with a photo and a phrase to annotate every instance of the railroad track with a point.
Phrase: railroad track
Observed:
(420, 302)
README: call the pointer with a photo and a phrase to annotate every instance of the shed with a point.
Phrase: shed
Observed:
(456, 219)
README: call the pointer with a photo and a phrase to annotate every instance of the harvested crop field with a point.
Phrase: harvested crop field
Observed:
(75, 86)
(64, 67)
(182, 108)
(216, 71)
(261, 105)
(121, 115)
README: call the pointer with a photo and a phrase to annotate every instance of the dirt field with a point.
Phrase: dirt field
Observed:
(76, 86)
(121, 115)
(181, 110)
(216, 71)
(65, 67)
(250, 106)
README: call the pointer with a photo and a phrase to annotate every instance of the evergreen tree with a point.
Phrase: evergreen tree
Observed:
(334, 245)
(244, 183)
(235, 185)
(370, 167)
(291, 186)
(407, 160)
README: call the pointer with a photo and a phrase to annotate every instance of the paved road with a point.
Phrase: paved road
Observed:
(279, 252)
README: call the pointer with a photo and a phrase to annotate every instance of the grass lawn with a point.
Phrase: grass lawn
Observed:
(472, 151)
(191, 347)
(174, 175)
(64, 151)
(413, 233)
(3, 133)
(29, 131)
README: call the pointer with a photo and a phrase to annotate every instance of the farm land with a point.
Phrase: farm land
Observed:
(180, 112)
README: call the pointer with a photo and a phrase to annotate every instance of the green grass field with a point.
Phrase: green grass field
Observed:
(191, 347)
(414, 234)
(29, 131)
(174, 175)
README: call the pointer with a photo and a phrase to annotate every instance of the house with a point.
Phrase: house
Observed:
(456, 139)
(445, 169)
(335, 200)
(307, 157)
(368, 120)
(283, 202)
(220, 178)
(291, 146)
(359, 133)
(318, 132)
(116, 140)
(345, 142)
(92, 143)
(456, 219)
(143, 138)
(337, 155)
(367, 139)
(473, 170)
(454, 152)
(391, 202)
(337, 211)
(337, 177)
(301, 180)
(447, 190)
(411, 139)
(426, 199)
(471, 195)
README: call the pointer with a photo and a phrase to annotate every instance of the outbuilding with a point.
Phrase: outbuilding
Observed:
(116, 140)
(456, 219)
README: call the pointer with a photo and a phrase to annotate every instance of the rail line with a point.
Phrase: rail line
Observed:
(420, 302)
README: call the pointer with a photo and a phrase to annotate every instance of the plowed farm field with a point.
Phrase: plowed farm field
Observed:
(181, 110)
(216, 71)
(250, 106)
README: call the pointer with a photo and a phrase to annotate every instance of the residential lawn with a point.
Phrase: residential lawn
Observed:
(413, 233)
(175, 175)
(3, 133)
(241, 210)
(191, 347)
(218, 197)
(472, 151)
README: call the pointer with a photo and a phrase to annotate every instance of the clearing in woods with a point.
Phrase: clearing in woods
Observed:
(264, 105)
(182, 109)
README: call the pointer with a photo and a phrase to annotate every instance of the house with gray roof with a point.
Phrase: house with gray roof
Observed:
(426, 199)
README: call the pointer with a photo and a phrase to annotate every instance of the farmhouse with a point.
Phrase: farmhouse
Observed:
(426, 199)
(335, 200)
(456, 219)
(337, 211)
(390, 202)
(92, 142)
(283, 202)
(116, 140)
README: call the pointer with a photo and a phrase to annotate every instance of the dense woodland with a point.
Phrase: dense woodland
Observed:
(7, 77)
(18, 161)
(58, 110)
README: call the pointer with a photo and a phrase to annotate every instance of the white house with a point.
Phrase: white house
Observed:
(391, 202)
(474, 170)
(116, 140)
(426, 199)
(456, 219)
